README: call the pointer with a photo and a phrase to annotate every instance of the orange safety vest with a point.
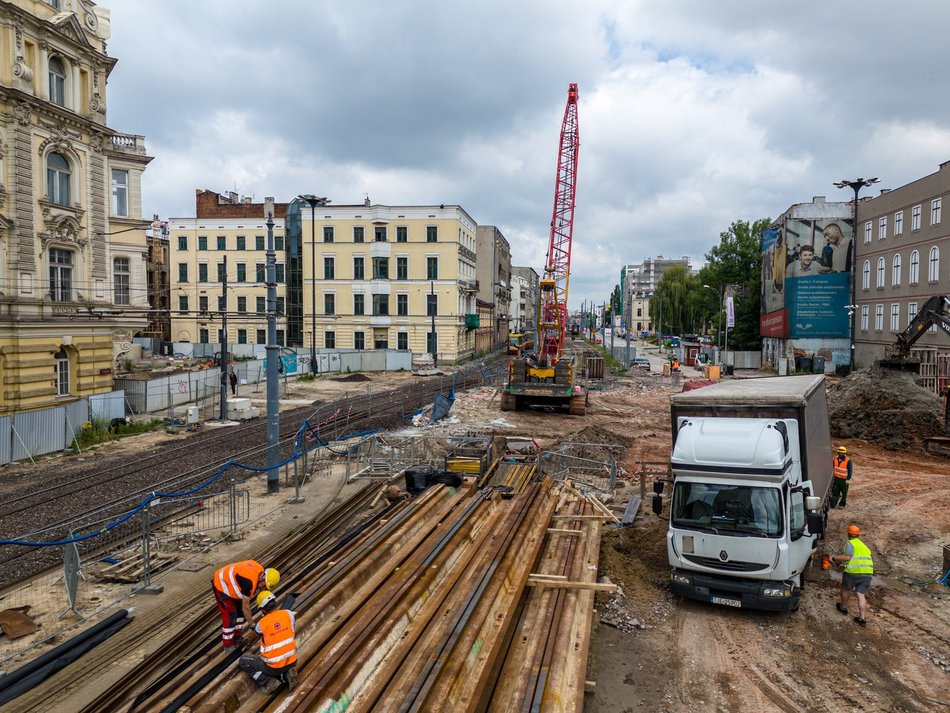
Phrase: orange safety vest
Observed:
(278, 645)
(225, 579)
(841, 468)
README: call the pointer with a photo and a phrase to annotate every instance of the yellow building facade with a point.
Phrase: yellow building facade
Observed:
(72, 242)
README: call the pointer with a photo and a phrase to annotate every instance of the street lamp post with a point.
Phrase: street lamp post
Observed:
(273, 356)
(855, 185)
(224, 342)
(313, 201)
(719, 328)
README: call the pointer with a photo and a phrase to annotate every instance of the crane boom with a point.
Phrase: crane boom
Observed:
(552, 305)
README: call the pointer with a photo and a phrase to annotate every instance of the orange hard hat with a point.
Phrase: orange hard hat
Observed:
(854, 530)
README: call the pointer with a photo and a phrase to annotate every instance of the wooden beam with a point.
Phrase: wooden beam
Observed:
(560, 531)
(533, 581)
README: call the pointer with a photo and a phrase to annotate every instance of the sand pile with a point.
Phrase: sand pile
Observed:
(884, 406)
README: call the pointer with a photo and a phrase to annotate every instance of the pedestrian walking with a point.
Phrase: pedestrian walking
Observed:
(858, 571)
(233, 380)
(233, 586)
(842, 473)
(276, 662)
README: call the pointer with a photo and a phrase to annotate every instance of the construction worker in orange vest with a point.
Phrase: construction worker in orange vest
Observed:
(276, 662)
(842, 473)
(233, 586)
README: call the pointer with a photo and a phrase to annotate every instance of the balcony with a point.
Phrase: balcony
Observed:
(128, 143)
(468, 285)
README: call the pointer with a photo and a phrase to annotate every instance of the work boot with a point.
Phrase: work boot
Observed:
(272, 685)
(292, 679)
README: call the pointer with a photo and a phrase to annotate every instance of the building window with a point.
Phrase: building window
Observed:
(358, 268)
(260, 305)
(242, 305)
(182, 242)
(432, 268)
(57, 179)
(202, 242)
(359, 301)
(328, 269)
(432, 342)
(867, 232)
(878, 318)
(914, 277)
(866, 275)
(280, 306)
(895, 317)
(203, 303)
(183, 272)
(279, 273)
(911, 312)
(935, 211)
(882, 228)
(260, 272)
(402, 305)
(120, 193)
(57, 81)
(864, 318)
(258, 242)
(402, 268)
(62, 372)
(915, 218)
(202, 272)
(896, 271)
(432, 305)
(262, 336)
(278, 242)
(242, 272)
(242, 336)
(432, 234)
(898, 222)
(241, 242)
(183, 304)
(328, 233)
(880, 272)
(358, 234)
(402, 234)
(329, 303)
(379, 233)
(280, 337)
(380, 268)
(121, 276)
(222, 242)
(381, 341)
(53, 3)
(222, 272)
(933, 274)
(60, 275)
(380, 305)
(329, 340)
(402, 341)
(359, 340)
(203, 336)
(222, 303)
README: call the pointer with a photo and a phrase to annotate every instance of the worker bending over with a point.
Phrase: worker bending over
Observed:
(278, 656)
(233, 586)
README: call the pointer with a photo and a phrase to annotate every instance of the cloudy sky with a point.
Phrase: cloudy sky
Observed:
(692, 114)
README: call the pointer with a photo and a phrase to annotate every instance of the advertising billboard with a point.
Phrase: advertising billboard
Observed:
(773, 320)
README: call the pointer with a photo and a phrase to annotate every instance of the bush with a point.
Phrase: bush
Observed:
(98, 431)
(306, 377)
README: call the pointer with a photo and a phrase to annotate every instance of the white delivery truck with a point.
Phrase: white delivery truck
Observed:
(752, 466)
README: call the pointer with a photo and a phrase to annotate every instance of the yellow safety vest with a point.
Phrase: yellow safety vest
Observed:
(860, 562)
(841, 468)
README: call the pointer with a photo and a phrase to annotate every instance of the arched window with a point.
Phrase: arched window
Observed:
(866, 275)
(896, 271)
(121, 274)
(933, 273)
(880, 272)
(57, 179)
(61, 368)
(914, 277)
(57, 81)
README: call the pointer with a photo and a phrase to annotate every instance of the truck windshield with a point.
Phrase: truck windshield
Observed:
(736, 509)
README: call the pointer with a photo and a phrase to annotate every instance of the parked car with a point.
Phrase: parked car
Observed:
(642, 362)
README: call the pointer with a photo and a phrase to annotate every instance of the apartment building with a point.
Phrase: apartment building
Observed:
(493, 273)
(72, 240)
(524, 298)
(901, 252)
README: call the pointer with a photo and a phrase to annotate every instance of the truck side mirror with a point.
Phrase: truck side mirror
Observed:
(658, 504)
(658, 486)
(816, 523)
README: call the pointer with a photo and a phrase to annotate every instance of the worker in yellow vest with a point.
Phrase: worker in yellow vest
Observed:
(858, 571)
(842, 473)
(233, 586)
(276, 662)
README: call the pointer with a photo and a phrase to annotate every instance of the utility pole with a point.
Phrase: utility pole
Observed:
(273, 354)
(313, 201)
(223, 415)
(431, 307)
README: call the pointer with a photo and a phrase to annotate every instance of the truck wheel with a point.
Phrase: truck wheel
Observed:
(507, 402)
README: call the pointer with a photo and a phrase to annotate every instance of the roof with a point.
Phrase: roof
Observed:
(773, 390)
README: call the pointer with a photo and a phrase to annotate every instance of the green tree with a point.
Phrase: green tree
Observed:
(735, 265)
(674, 306)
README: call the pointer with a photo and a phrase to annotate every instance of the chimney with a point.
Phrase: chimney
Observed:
(366, 201)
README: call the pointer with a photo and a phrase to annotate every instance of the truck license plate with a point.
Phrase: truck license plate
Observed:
(726, 602)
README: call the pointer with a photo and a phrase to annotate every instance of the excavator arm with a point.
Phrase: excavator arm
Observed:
(936, 310)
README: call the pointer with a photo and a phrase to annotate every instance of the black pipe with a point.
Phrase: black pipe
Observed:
(26, 677)
(187, 665)
(200, 684)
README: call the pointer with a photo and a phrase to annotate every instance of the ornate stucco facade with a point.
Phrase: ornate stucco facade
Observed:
(72, 242)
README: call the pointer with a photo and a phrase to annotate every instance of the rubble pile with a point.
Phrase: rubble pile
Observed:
(884, 406)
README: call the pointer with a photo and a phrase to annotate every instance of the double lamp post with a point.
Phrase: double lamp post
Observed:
(313, 201)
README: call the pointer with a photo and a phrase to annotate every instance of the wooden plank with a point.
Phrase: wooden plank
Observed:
(633, 506)
(585, 586)
(561, 531)
(548, 577)
(601, 516)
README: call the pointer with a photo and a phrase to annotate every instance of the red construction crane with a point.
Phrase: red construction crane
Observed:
(552, 305)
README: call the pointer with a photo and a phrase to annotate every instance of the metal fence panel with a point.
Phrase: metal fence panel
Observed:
(398, 360)
(107, 406)
(76, 414)
(38, 432)
(6, 434)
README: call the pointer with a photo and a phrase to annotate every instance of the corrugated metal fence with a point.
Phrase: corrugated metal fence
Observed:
(35, 433)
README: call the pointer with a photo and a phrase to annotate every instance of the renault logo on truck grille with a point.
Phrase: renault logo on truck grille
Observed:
(724, 555)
